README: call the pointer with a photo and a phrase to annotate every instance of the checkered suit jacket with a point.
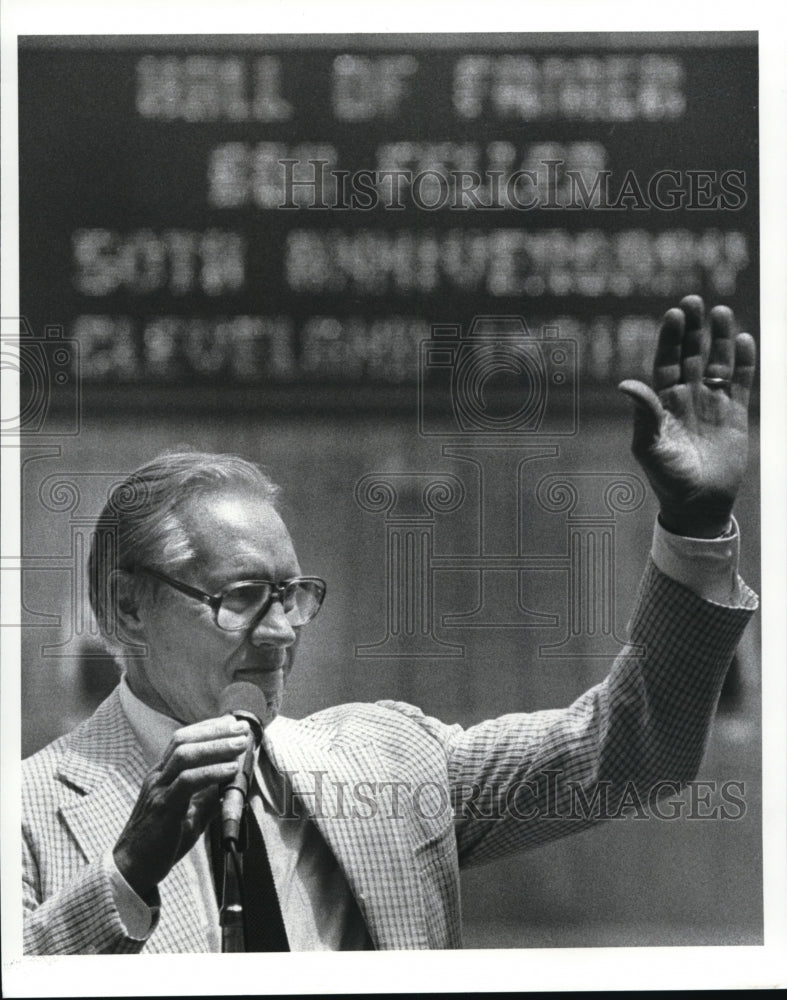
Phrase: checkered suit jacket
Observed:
(648, 721)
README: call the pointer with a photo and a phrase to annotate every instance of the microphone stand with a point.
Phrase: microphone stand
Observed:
(233, 841)
(231, 913)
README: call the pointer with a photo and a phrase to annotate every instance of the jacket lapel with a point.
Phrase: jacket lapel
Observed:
(105, 763)
(374, 851)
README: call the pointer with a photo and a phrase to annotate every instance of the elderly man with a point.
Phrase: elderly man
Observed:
(207, 582)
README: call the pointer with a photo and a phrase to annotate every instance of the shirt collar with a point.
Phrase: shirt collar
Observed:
(152, 729)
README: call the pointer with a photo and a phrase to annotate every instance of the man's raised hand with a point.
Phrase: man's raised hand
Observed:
(691, 438)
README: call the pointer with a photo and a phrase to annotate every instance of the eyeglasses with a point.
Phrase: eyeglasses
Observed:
(243, 604)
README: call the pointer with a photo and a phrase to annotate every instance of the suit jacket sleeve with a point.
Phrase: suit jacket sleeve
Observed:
(80, 919)
(524, 779)
(75, 801)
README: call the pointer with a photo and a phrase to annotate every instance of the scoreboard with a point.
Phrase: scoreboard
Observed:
(285, 221)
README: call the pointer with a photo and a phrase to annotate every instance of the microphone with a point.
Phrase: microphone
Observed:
(245, 701)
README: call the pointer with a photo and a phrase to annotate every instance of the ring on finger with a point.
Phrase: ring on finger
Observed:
(717, 383)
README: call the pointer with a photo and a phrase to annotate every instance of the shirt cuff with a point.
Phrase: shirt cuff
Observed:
(707, 566)
(137, 917)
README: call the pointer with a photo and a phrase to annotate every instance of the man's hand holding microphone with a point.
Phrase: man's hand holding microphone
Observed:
(206, 766)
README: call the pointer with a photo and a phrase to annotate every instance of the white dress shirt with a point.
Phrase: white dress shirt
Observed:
(318, 908)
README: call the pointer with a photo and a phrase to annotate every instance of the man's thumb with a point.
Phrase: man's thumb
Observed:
(648, 412)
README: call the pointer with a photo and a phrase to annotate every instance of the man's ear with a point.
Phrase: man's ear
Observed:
(125, 589)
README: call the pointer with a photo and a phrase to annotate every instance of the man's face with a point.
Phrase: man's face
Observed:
(235, 536)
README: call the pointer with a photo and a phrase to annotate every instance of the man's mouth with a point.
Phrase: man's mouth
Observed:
(266, 670)
(264, 662)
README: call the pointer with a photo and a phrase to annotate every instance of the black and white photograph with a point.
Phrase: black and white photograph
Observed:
(393, 502)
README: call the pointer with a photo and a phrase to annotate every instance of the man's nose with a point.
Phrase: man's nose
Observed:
(273, 628)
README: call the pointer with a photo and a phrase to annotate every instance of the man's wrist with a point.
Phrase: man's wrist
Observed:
(696, 527)
(146, 892)
(138, 916)
(706, 566)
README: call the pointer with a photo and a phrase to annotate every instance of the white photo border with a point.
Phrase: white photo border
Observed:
(483, 971)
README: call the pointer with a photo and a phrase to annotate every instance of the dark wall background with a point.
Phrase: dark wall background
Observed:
(145, 375)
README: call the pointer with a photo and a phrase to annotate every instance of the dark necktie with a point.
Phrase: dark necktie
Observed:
(263, 923)
(262, 913)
